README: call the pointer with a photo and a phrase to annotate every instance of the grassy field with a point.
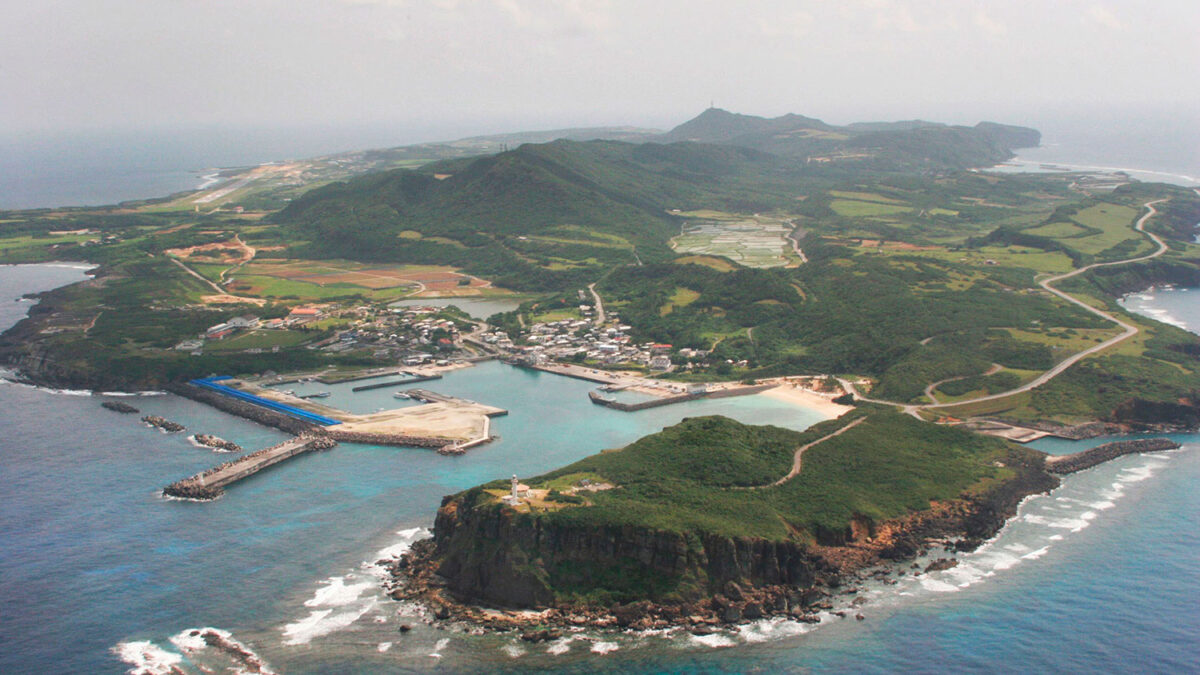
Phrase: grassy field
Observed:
(682, 297)
(859, 209)
(865, 197)
(717, 264)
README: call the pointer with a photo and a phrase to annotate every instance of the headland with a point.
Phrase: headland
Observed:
(663, 532)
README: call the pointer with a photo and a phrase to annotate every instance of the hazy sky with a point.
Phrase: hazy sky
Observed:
(491, 65)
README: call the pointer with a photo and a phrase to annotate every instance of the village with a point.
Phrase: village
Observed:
(431, 335)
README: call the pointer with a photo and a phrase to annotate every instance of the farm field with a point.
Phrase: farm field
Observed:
(326, 279)
(753, 241)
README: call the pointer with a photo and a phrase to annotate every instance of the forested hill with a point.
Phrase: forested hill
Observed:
(877, 145)
(601, 193)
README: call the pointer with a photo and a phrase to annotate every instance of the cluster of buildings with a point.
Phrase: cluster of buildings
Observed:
(411, 335)
(580, 339)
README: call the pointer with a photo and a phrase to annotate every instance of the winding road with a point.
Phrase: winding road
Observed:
(599, 304)
(797, 457)
(1128, 330)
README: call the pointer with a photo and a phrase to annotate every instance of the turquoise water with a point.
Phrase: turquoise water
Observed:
(1100, 575)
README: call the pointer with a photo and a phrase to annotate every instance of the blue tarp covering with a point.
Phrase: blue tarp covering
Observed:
(293, 411)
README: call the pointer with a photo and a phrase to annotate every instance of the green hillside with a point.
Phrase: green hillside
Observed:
(875, 145)
(487, 214)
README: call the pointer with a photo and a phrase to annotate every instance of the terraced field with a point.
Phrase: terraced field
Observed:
(753, 241)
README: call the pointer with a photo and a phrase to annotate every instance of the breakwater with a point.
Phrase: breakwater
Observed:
(396, 383)
(399, 440)
(163, 423)
(242, 409)
(117, 406)
(211, 484)
(1064, 464)
(355, 377)
(211, 383)
(216, 443)
(600, 399)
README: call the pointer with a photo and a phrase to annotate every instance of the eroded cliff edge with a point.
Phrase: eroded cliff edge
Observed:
(672, 531)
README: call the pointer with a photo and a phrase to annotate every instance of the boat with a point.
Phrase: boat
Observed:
(401, 395)
(319, 394)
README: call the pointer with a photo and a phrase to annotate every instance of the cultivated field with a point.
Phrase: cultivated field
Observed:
(753, 241)
(322, 279)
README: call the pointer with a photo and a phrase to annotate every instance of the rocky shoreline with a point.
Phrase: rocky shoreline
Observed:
(820, 573)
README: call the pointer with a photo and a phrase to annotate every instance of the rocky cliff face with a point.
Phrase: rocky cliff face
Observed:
(490, 554)
(495, 555)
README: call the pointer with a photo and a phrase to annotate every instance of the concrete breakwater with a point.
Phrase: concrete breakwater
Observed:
(396, 383)
(600, 399)
(1064, 464)
(243, 409)
(355, 377)
(401, 440)
(163, 423)
(211, 484)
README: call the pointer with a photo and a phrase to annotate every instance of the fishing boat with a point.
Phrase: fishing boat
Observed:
(401, 395)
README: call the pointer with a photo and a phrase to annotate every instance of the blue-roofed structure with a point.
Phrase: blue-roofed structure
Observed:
(210, 383)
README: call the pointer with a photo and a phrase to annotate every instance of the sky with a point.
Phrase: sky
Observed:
(443, 68)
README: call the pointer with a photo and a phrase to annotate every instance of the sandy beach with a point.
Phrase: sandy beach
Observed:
(807, 399)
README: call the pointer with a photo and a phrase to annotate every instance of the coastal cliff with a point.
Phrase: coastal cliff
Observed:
(595, 561)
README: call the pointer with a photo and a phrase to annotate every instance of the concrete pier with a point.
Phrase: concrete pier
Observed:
(413, 379)
(211, 484)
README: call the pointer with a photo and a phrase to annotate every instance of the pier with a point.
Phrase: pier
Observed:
(600, 399)
(415, 378)
(211, 484)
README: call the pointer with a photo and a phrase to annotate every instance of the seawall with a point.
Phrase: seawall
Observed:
(600, 399)
(243, 409)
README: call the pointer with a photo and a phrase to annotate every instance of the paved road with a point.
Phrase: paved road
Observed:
(599, 304)
(1128, 330)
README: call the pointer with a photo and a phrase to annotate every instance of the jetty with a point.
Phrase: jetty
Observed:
(211, 484)
(608, 402)
(1085, 459)
(413, 379)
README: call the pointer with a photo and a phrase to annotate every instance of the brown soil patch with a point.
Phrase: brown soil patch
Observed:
(224, 299)
(230, 250)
